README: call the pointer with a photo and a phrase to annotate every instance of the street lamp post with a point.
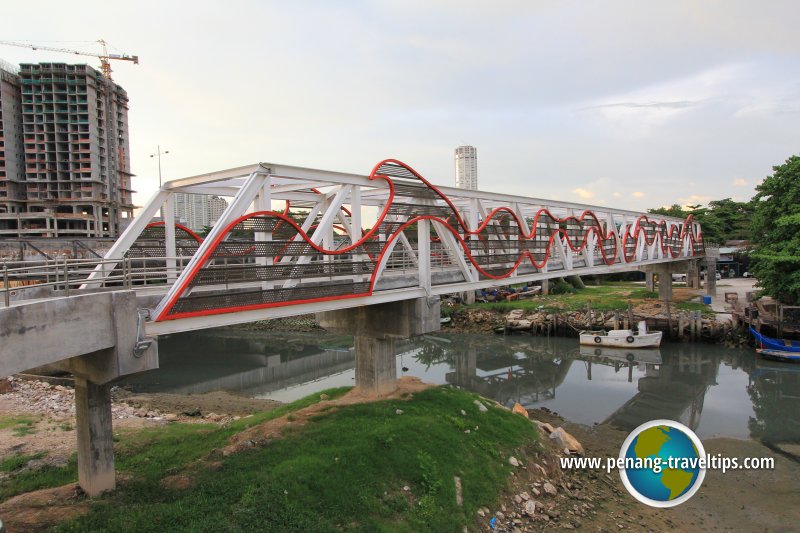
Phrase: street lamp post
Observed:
(158, 154)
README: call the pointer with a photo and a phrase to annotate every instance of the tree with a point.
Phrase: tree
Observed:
(673, 211)
(722, 220)
(776, 232)
(726, 220)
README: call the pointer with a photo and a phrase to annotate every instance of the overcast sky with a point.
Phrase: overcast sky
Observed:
(625, 103)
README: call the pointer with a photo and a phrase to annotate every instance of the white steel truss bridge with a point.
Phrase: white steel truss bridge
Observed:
(296, 240)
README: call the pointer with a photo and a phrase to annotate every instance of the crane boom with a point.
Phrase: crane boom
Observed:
(105, 65)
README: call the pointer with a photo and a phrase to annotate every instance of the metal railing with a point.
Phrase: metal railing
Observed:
(66, 276)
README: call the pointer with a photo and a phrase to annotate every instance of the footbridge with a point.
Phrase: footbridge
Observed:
(369, 254)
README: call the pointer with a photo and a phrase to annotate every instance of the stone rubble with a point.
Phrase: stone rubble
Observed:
(58, 401)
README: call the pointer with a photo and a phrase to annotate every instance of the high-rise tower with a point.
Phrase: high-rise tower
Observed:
(467, 167)
(77, 179)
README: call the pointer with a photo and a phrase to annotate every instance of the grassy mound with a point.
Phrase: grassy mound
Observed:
(386, 466)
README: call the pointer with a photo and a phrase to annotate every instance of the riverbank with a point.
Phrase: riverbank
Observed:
(333, 461)
(338, 461)
(612, 306)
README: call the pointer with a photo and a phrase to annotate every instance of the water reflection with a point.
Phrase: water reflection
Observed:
(774, 389)
(713, 390)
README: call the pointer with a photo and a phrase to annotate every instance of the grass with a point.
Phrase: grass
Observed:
(20, 425)
(606, 297)
(149, 453)
(696, 306)
(27, 480)
(346, 469)
(16, 462)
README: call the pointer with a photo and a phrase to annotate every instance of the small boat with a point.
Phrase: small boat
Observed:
(776, 348)
(622, 338)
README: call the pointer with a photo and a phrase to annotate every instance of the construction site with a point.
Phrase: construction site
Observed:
(64, 151)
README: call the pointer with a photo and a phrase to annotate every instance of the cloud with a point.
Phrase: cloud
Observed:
(584, 194)
(739, 182)
(637, 194)
(616, 194)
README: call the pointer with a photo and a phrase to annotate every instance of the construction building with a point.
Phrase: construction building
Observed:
(467, 168)
(198, 210)
(12, 157)
(76, 179)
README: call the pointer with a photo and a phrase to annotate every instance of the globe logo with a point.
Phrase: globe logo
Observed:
(662, 463)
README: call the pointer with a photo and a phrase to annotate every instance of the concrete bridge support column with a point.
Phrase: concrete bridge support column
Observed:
(545, 287)
(693, 275)
(376, 366)
(711, 276)
(649, 281)
(375, 328)
(93, 428)
(664, 282)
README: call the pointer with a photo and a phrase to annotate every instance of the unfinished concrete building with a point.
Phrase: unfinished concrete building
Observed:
(12, 159)
(77, 180)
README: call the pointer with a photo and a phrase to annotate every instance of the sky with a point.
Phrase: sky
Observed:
(626, 104)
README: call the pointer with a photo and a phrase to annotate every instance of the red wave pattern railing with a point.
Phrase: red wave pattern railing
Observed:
(152, 241)
(496, 248)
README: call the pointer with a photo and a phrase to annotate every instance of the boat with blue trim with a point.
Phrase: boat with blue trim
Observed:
(784, 349)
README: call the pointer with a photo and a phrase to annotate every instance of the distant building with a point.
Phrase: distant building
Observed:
(216, 206)
(467, 168)
(70, 126)
(198, 210)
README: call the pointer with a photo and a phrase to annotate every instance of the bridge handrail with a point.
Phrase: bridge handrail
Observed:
(68, 274)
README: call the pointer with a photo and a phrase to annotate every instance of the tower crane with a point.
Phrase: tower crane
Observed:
(105, 57)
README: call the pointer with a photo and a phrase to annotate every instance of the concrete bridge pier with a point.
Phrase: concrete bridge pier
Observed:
(664, 282)
(711, 276)
(95, 444)
(375, 328)
(95, 337)
(693, 275)
(649, 280)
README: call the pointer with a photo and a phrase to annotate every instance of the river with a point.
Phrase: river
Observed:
(714, 390)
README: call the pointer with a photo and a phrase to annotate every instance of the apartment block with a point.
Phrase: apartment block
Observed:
(76, 179)
(198, 210)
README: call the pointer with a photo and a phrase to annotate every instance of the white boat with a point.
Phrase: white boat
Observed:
(622, 338)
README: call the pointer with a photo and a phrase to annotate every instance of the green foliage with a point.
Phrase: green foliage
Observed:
(672, 211)
(16, 462)
(346, 469)
(151, 453)
(776, 232)
(561, 286)
(28, 480)
(696, 306)
(605, 297)
(721, 221)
